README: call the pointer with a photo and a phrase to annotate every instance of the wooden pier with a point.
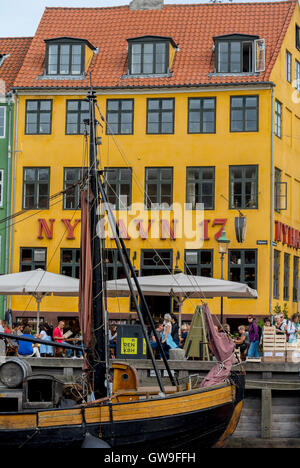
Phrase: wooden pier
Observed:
(271, 414)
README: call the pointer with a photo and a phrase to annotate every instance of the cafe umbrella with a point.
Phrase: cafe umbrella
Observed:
(38, 284)
(183, 287)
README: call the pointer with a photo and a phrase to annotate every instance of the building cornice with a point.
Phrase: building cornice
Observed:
(142, 90)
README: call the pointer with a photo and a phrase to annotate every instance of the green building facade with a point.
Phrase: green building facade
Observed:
(12, 53)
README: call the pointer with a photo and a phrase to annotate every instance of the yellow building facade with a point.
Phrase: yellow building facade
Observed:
(253, 172)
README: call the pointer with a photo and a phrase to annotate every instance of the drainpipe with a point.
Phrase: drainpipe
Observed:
(8, 189)
(272, 209)
(14, 187)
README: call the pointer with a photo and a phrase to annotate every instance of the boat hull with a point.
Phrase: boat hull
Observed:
(180, 422)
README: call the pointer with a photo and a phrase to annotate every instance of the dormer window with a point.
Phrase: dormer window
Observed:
(239, 53)
(150, 55)
(66, 56)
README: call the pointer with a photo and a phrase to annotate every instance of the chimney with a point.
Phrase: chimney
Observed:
(146, 4)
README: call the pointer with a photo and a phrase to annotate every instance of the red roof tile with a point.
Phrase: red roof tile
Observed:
(192, 27)
(16, 49)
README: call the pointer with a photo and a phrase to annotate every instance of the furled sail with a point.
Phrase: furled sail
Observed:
(222, 347)
(85, 284)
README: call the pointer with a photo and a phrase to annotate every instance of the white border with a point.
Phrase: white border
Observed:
(4, 135)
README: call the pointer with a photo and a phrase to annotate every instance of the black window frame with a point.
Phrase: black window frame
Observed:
(115, 265)
(277, 189)
(278, 119)
(286, 276)
(118, 182)
(142, 43)
(244, 109)
(242, 266)
(82, 173)
(119, 112)
(60, 43)
(81, 115)
(38, 113)
(201, 112)
(296, 263)
(200, 181)
(34, 264)
(243, 180)
(158, 181)
(276, 274)
(37, 183)
(297, 41)
(229, 40)
(160, 112)
(288, 58)
(161, 268)
(74, 264)
(191, 269)
(297, 75)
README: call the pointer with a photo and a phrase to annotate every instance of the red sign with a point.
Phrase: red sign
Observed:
(287, 235)
(48, 229)
(167, 229)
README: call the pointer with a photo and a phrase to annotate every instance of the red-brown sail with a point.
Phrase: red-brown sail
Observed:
(85, 284)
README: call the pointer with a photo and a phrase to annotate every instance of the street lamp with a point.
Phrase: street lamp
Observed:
(223, 243)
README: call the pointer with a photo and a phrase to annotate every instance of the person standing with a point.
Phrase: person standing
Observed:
(253, 338)
(293, 328)
(175, 329)
(167, 340)
(242, 341)
(280, 324)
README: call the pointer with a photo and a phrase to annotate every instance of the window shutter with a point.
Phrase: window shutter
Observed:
(260, 55)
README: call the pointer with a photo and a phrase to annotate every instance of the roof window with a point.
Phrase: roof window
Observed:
(239, 53)
(67, 56)
(150, 55)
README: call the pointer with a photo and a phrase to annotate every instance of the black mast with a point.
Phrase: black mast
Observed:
(97, 358)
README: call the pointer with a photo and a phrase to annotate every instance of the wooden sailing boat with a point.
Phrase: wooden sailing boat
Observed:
(178, 417)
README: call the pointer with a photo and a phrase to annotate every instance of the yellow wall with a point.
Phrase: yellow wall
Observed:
(179, 151)
(287, 149)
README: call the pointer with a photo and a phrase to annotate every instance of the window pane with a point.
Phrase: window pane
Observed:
(223, 57)
(167, 104)
(64, 59)
(153, 104)
(45, 105)
(235, 57)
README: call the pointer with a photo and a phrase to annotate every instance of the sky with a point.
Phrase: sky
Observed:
(21, 17)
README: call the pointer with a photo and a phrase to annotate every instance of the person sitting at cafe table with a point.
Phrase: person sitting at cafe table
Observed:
(58, 336)
(26, 348)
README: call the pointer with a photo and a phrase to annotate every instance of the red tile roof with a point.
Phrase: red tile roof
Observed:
(192, 27)
(16, 49)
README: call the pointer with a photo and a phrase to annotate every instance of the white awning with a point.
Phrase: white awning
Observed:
(182, 286)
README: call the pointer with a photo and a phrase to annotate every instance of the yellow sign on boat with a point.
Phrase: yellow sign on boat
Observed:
(129, 346)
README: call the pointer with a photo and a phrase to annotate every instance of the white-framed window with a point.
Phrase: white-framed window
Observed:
(2, 121)
(1, 186)
(288, 66)
(278, 118)
(297, 75)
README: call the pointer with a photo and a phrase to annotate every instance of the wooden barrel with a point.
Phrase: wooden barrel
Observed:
(14, 371)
